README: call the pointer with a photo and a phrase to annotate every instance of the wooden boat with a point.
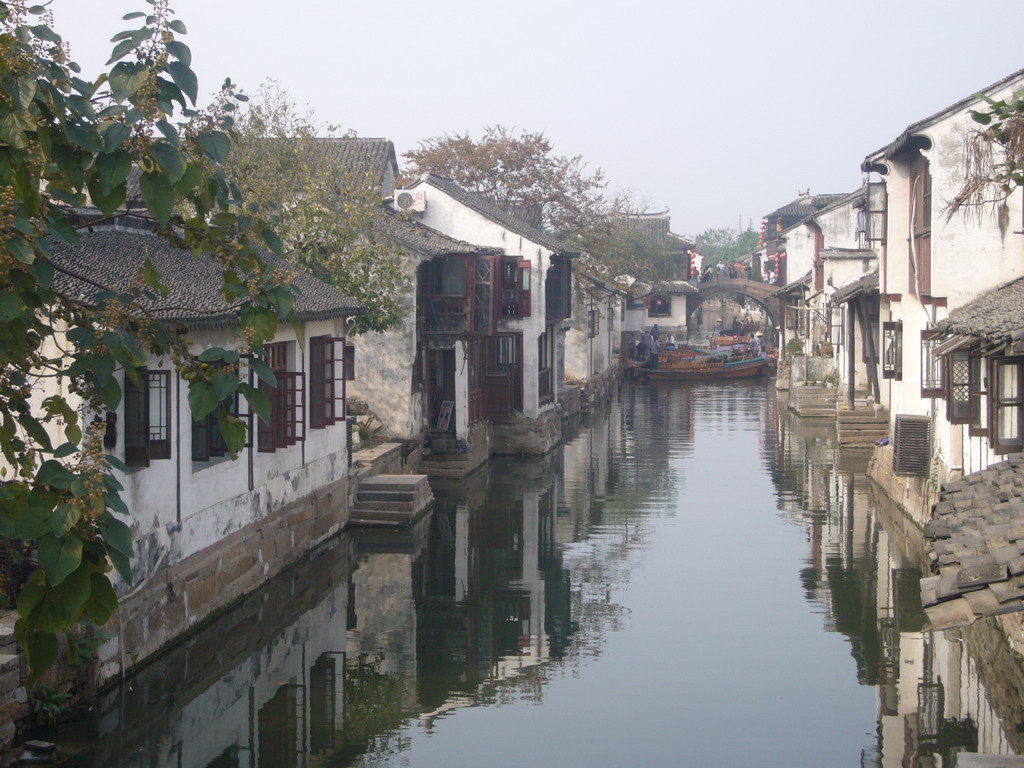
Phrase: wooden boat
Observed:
(687, 364)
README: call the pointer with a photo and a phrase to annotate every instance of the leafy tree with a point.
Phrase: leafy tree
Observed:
(519, 172)
(615, 246)
(993, 156)
(325, 211)
(725, 244)
(66, 142)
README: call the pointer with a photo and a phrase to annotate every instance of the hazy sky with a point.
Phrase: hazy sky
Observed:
(718, 110)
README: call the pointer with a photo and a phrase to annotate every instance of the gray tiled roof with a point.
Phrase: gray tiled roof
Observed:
(492, 211)
(359, 155)
(866, 284)
(657, 227)
(419, 237)
(806, 205)
(110, 259)
(976, 538)
(997, 316)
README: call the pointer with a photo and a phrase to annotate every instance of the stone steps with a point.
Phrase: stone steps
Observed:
(860, 427)
(391, 500)
(449, 467)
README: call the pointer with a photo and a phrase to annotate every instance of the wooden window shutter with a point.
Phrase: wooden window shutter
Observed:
(319, 348)
(912, 446)
(136, 419)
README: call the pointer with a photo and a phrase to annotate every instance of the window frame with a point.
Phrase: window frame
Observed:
(978, 393)
(956, 375)
(287, 402)
(326, 381)
(932, 366)
(892, 339)
(999, 402)
(659, 300)
(140, 401)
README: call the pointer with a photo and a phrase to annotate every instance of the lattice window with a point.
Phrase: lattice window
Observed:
(482, 296)
(958, 399)
(593, 323)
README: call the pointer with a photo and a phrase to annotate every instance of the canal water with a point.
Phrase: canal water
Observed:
(694, 578)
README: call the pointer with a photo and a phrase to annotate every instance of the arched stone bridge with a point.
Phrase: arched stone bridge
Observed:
(760, 292)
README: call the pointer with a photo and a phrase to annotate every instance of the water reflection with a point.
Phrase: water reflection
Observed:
(655, 590)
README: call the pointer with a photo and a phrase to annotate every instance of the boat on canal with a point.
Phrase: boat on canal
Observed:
(730, 358)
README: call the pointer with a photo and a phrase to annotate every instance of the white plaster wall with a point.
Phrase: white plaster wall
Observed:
(179, 507)
(970, 255)
(383, 377)
(586, 356)
(799, 251)
(839, 226)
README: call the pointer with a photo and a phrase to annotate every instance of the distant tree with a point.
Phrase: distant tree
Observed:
(725, 244)
(519, 171)
(993, 156)
(616, 246)
(67, 143)
(325, 212)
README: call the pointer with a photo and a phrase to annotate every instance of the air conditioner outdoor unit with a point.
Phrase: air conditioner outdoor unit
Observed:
(411, 200)
(912, 446)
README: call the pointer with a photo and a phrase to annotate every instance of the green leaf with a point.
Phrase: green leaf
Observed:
(158, 193)
(40, 649)
(233, 430)
(185, 79)
(121, 50)
(112, 169)
(23, 91)
(258, 401)
(106, 202)
(212, 354)
(116, 463)
(224, 385)
(102, 369)
(85, 137)
(117, 536)
(11, 306)
(103, 601)
(149, 276)
(114, 134)
(180, 51)
(125, 80)
(168, 157)
(65, 517)
(178, 26)
(263, 371)
(216, 144)
(65, 449)
(59, 557)
(133, 15)
(121, 564)
(20, 249)
(169, 131)
(202, 399)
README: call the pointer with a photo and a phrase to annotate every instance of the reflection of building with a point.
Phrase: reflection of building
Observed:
(937, 692)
